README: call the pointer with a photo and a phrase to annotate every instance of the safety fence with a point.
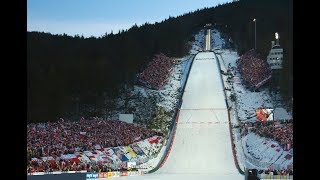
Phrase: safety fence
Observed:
(173, 124)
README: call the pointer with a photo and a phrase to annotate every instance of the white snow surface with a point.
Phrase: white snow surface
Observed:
(198, 44)
(261, 148)
(247, 102)
(203, 83)
(202, 147)
(216, 40)
(183, 176)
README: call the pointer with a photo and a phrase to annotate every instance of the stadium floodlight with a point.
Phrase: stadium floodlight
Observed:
(277, 35)
(255, 33)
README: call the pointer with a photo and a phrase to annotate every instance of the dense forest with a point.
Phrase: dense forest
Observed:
(65, 72)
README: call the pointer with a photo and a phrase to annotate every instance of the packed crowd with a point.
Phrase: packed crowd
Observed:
(65, 137)
(67, 165)
(157, 72)
(280, 131)
(277, 172)
(254, 70)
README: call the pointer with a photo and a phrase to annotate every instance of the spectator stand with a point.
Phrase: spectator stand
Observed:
(254, 71)
(156, 74)
(75, 146)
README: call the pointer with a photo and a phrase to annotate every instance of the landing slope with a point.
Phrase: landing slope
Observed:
(202, 144)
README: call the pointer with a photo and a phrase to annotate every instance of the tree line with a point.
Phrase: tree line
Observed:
(64, 73)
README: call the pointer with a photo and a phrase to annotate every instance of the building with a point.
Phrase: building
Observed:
(275, 56)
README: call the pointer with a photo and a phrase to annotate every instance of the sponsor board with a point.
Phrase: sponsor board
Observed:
(92, 176)
(116, 174)
(109, 175)
(264, 114)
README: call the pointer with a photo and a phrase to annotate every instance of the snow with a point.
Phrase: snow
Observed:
(264, 152)
(216, 40)
(244, 110)
(184, 176)
(202, 143)
(167, 97)
(198, 44)
(202, 147)
(203, 83)
(247, 101)
(153, 162)
(170, 91)
(281, 113)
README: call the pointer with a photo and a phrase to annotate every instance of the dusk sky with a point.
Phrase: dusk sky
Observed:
(96, 17)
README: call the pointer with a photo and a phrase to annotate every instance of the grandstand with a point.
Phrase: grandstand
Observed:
(254, 71)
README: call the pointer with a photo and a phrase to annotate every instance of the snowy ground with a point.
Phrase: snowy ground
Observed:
(243, 110)
(202, 143)
(216, 41)
(202, 147)
(247, 101)
(198, 44)
(168, 95)
(265, 152)
(145, 102)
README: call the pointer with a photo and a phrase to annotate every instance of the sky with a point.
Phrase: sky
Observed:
(98, 17)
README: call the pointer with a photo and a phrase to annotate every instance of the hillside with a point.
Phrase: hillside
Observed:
(66, 72)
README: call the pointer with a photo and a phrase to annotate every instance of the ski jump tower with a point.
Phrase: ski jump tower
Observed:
(207, 28)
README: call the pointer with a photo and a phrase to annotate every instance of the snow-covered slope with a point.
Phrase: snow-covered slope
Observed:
(202, 143)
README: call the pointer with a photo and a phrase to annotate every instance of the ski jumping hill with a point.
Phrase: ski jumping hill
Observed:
(202, 148)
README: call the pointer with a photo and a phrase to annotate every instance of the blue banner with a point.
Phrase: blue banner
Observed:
(92, 176)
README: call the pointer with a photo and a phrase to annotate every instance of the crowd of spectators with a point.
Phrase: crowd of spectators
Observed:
(157, 72)
(277, 172)
(254, 70)
(66, 137)
(67, 165)
(278, 130)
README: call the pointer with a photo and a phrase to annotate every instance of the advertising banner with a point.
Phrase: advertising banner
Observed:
(264, 114)
(101, 175)
(116, 174)
(131, 164)
(109, 174)
(92, 176)
(131, 152)
(124, 173)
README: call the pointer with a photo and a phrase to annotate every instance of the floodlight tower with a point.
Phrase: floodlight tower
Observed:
(255, 33)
